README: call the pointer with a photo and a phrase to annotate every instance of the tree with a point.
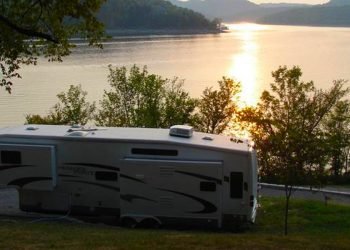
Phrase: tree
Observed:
(140, 99)
(32, 28)
(285, 127)
(179, 107)
(216, 107)
(72, 108)
(337, 130)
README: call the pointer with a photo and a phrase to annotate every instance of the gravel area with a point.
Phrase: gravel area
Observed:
(327, 194)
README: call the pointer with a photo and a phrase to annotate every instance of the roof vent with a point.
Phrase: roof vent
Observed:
(181, 131)
(208, 138)
(31, 128)
(78, 133)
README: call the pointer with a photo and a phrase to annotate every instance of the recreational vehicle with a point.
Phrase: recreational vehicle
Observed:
(140, 175)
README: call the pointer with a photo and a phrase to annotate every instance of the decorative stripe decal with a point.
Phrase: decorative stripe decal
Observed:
(93, 165)
(67, 175)
(131, 178)
(27, 180)
(208, 207)
(130, 198)
(94, 184)
(203, 177)
(5, 167)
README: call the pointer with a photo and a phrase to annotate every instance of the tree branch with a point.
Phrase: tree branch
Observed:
(27, 32)
(30, 8)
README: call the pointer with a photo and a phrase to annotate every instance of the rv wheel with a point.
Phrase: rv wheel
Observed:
(149, 223)
(129, 222)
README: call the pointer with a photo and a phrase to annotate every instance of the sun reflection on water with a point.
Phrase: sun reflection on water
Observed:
(244, 66)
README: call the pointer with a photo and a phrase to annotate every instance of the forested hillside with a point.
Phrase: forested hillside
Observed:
(315, 16)
(151, 14)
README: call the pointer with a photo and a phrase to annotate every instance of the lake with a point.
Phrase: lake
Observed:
(248, 53)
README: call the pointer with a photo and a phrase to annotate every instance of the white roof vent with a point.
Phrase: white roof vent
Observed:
(181, 131)
(78, 133)
(32, 128)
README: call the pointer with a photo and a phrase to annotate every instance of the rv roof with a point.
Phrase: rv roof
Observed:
(124, 134)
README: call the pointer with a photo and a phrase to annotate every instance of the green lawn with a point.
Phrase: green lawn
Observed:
(312, 226)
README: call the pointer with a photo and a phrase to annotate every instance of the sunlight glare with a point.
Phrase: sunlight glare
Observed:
(244, 65)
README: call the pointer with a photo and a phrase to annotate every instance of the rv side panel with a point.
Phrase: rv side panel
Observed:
(28, 166)
(171, 190)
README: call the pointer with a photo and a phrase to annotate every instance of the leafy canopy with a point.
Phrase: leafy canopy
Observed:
(217, 107)
(31, 28)
(286, 128)
(72, 108)
(140, 99)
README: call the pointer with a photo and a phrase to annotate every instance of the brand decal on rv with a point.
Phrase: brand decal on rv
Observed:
(74, 170)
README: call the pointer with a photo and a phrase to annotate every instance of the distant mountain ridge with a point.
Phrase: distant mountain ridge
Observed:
(224, 9)
(337, 3)
(333, 13)
(322, 15)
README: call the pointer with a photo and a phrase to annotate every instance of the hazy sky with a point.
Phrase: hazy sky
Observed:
(291, 1)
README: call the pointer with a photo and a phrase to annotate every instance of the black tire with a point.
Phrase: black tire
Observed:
(128, 222)
(149, 223)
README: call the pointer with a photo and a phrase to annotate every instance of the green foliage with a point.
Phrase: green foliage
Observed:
(31, 28)
(337, 131)
(140, 99)
(286, 129)
(151, 14)
(72, 108)
(286, 126)
(179, 107)
(216, 107)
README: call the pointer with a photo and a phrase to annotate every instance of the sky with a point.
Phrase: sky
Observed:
(290, 1)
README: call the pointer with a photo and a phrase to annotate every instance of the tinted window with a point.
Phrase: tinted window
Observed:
(236, 185)
(11, 157)
(208, 186)
(153, 151)
(106, 176)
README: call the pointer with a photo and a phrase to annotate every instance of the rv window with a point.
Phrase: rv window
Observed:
(106, 176)
(152, 151)
(11, 157)
(236, 185)
(208, 186)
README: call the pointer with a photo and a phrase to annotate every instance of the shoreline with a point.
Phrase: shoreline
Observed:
(146, 32)
(305, 25)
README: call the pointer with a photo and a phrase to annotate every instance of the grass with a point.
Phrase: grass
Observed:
(312, 226)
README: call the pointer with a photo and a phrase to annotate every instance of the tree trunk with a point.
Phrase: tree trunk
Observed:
(288, 190)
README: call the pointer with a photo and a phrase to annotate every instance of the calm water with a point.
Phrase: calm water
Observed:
(248, 53)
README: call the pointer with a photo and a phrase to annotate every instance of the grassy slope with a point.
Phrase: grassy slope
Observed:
(312, 225)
